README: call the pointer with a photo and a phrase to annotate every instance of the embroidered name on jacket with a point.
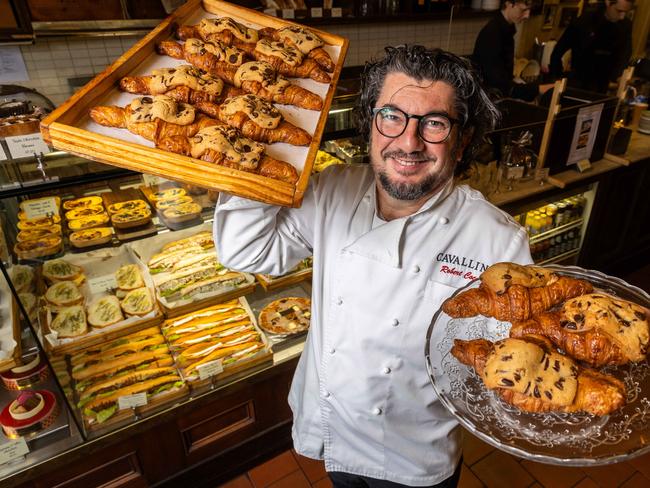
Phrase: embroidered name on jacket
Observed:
(459, 265)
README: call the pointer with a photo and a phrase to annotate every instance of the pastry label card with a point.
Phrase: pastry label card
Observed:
(102, 284)
(26, 146)
(13, 450)
(132, 401)
(40, 207)
(210, 369)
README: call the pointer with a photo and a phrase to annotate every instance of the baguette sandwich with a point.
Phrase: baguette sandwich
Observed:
(183, 338)
(70, 322)
(172, 283)
(105, 311)
(181, 258)
(102, 408)
(227, 355)
(202, 240)
(207, 347)
(224, 279)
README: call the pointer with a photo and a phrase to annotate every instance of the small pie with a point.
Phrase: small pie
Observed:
(88, 222)
(131, 218)
(35, 248)
(168, 194)
(289, 315)
(91, 237)
(38, 222)
(84, 202)
(172, 202)
(80, 213)
(127, 205)
(39, 233)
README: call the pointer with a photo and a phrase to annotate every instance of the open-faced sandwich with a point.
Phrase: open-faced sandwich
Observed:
(105, 311)
(137, 302)
(61, 270)
(70, 322)
(63, 294)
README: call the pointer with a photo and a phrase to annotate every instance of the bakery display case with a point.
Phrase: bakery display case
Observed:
(134, 317)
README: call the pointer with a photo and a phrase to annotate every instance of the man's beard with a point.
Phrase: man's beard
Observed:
(414, 191)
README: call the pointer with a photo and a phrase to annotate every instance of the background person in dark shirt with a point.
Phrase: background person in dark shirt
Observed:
(494, 51)
(600, 41)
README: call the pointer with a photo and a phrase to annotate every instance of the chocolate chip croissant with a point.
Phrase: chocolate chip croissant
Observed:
(304, 40)
(529, 374)
(185, 84)
(256, 77)
(285, 59)
(512, 292)
(180, 130)
(596, 328)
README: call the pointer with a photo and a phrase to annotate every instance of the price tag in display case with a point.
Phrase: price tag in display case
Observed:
(26, 146)
(101, 284)
(132, 401)
(337, 12)
(210, 369)
(41, 207)
(271, 11)
(12, 450)
(316, 12)
(288, 13)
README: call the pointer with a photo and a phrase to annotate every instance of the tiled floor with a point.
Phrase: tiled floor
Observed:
(484, 466)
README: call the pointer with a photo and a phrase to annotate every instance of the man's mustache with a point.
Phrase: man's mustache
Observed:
(416, 156)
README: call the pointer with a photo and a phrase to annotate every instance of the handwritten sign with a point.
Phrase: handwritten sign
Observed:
(288, 13)
(209, 369)
(101, 284)
(132, 401)
(26, 145)
(41, 207)
(13, 450)
(316, 12)
(337, 12)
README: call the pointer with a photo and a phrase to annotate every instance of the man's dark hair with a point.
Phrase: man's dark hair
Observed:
(502, 4)
(476, 112)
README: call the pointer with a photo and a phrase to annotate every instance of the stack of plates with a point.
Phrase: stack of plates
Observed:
(644, 122)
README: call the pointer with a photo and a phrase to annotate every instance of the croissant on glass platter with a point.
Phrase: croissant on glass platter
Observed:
(529, 374)
(596, 328)
(256, 77)
(512, 292)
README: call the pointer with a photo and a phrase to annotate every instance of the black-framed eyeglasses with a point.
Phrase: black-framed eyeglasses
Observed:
(433, 127)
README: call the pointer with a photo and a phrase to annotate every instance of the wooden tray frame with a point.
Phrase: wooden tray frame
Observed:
(60, 130)
(283, 281)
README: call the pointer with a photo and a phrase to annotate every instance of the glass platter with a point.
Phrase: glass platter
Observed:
(576, 439)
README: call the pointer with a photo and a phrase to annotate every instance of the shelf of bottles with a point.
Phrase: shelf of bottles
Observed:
(555, 229)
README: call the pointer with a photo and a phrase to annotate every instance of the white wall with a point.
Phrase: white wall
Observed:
(51, 61)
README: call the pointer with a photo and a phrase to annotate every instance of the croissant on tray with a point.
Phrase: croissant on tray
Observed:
(256, 77)
(596, 328)
(512, 292)
(529, 374)
(304, 40)
(256, 119)
(184, 84)
(180, 130)
(284, 58)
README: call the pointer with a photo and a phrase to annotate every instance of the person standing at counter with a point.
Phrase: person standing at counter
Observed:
(494, 52)
(600, 41)
(390, 240)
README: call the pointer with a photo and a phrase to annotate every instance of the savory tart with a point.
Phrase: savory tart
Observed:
(64, 294)
(80, 213)
(61, 270)
(105, 311)
(38, 233)
(88, 222)
(137, 302)
(169, 193)
(131, 218)
(36, 248)
(183, 212)
(91, 237)
(127, 205)
(172, 202)
(289, 315)
(128, 277)
(84, 202)
(38, 223)
(70, 322)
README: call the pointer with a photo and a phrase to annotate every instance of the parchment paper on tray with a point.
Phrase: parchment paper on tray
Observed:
(99, 268)
(186, 272)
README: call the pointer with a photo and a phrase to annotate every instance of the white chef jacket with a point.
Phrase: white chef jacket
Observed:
(361, 395)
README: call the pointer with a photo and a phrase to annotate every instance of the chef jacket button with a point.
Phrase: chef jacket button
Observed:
(395, 323)
(326, 394)
(332, 350)
(443, 220)
(376, 411)
(416, 269)
(339, 301)
(386, 370)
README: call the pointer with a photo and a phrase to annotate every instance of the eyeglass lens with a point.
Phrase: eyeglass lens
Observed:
(391, 122)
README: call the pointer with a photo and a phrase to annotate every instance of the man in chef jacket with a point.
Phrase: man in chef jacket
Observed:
(390, 240)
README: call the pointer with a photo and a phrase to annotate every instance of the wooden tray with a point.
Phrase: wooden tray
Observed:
(275, 283)
(64, 127)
